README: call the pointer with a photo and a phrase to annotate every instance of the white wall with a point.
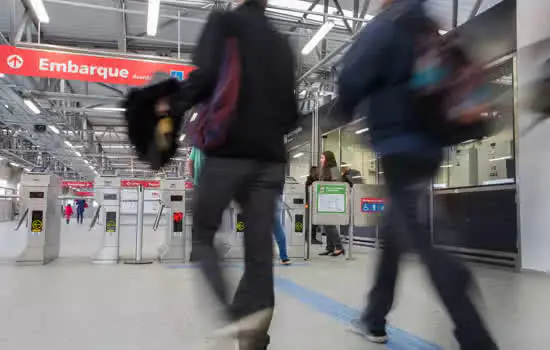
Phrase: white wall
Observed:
(534, 149)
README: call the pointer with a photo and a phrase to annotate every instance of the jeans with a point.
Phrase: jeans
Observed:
(79, 216)
(279, 231)
(255, 186)
(407, 181)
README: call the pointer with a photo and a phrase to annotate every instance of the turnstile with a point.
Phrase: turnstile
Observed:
(294, 212)
(108, 195)
(177, 240)
(39, 194)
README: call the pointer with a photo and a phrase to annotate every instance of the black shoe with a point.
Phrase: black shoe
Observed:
(338, 252)
(286, 262)
(374, 336)
(326, 253)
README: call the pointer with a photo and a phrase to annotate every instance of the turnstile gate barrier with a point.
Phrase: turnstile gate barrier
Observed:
(108, 213)
(39, 194)
(177, 243)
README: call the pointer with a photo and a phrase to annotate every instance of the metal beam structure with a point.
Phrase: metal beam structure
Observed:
(475, 9)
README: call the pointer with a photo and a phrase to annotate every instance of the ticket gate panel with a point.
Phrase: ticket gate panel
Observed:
(177, 238)
(108, 195)
(294, 215)
(40, 193)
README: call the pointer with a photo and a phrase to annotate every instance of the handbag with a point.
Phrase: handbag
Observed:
(209, 130)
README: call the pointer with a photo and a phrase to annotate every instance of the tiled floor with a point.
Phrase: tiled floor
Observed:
(72, 304)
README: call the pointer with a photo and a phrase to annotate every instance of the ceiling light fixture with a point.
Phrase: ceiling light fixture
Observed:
(317, 37)
(110, 109)
(69, 144)
(153, 12)
(182, 137)
(500, 158)
(298, 155)
(194, 116)
(53, 129)
(362, 131)
(40, 11)
(32, 106)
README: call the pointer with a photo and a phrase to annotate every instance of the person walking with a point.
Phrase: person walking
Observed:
(194, 164)
(329, 172)
(249, 164)
(68, 213)
(379, 65)
(279, 232)
(80, 207)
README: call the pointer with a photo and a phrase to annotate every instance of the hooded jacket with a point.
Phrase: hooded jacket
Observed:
(267, 108)
(377, 70)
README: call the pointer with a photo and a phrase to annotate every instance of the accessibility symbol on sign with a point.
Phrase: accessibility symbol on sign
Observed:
(15, 61)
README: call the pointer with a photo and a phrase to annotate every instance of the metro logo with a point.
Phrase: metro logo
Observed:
(87, 67)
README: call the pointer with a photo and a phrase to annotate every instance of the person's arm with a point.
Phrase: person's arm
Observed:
(207, 57)
(361, 66)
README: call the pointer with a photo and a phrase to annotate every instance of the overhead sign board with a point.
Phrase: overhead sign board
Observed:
(144, 183)
(91, 68)
(77, 184)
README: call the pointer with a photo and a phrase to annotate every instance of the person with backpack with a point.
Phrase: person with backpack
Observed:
(80, 207)
(381, 66)
(245, 76)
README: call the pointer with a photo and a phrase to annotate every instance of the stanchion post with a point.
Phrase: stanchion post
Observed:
(307, 247)
(139, 231)
(138, 258)
(351, 225)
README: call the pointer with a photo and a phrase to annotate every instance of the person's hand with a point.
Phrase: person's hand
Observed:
(162, 107)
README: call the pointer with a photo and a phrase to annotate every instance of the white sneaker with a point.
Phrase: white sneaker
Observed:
(250, 323)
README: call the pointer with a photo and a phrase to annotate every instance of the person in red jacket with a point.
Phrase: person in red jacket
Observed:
(68, 212)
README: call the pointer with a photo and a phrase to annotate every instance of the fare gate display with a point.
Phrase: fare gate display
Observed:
(177, 242)
(39, 193)
(108, 195)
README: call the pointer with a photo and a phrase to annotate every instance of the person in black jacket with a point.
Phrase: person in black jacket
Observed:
(249, 166)
(379, 67)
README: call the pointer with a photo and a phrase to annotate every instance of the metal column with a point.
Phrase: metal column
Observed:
(138, 258)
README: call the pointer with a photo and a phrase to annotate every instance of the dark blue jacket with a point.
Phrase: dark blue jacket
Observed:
(375, 77)
(80, 203)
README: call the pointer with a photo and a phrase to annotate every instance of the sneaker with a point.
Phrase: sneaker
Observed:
(286, 262)
(360, 328)
(248, 324)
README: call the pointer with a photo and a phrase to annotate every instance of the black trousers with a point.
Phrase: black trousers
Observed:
(79, 217)
(407, 181)
(334, 241)
(255, 186)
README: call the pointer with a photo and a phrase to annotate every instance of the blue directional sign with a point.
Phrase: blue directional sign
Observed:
(177, 74)
(372, 205)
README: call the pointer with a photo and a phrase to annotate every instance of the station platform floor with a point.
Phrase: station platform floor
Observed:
(72, 304)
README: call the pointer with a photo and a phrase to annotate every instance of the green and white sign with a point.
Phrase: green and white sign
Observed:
(331, 198)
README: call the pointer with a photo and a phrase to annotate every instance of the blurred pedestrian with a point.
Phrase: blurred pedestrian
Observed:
(248, 163)
(68, 213)
(379, 66)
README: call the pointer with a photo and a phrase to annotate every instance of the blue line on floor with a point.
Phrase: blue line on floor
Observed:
(399, 339)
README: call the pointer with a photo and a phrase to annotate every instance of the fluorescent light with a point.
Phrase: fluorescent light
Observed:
(153, 12)
(298, 155)
(78, 153)
(447, 166)
(27, 170)
(316, 39)
(362, 131)
(69, 144)
(16, 164)
(7, 107)
(110, 109)
(53, 129)
(116, 146)
(85, 161)
(40, 11)
(182, 137)
(193, 117)
(500, 158)
(443, 32)
(32, 106)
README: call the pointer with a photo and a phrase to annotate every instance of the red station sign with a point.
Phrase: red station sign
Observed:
(144, 183)
(83, 67)
(77, 184)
